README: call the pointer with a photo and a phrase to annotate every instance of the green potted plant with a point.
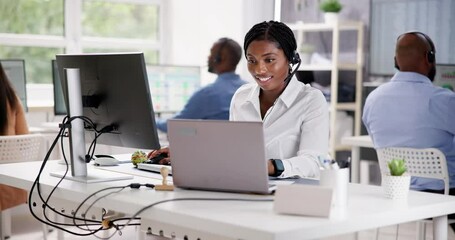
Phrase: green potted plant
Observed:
(396, 183)
(331, 8)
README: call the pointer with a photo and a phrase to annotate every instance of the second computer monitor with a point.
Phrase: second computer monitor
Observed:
(172, 86)
(59, 101)
(445, 76)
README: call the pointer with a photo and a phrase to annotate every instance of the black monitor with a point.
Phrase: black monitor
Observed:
(15, 71)
(59, 101)
(111, 89)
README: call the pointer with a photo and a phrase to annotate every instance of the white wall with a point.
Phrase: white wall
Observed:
(192, 26)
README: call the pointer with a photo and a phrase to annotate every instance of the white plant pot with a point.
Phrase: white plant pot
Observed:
(396, 187)
(330, 17)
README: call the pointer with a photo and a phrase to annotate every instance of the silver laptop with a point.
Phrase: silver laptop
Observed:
(218, 155)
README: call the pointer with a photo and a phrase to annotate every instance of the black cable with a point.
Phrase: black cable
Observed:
(36, 184)
(131, 185)
(65, 124)
(90, 206)
(55, 187)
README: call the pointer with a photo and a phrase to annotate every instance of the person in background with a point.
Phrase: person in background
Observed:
(212, 101)
(294, 114)
(409, 111)
(12, 122)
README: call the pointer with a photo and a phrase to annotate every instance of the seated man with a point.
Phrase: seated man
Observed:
(409, 111)
(213, 101)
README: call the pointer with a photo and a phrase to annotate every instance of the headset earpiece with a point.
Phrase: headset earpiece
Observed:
(295, 58)
(217, 59)
(431, 57)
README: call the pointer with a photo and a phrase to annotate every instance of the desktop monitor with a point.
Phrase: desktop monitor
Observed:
(172, 86)
(111, 89)
(15, 70)
(59, 101)
(445, 76)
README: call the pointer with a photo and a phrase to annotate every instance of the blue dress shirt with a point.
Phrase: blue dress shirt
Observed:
(409, 111)
(209, 102)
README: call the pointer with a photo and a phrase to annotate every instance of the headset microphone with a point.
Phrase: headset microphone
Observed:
(295, 60)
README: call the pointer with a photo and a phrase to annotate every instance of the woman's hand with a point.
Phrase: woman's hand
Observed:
(155, 153)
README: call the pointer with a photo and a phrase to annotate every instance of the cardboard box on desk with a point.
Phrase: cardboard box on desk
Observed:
(300, 199)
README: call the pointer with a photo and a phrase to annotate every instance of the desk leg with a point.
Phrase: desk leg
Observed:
(355, 164)
(440, 228)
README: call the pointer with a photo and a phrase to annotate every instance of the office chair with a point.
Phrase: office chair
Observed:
(13, 149)
(425, 162)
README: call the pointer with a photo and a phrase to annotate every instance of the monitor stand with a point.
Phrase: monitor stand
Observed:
(77, 138)
(94, 176)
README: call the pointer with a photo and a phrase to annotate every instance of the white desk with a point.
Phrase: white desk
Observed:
(357, 142)
(367, 208)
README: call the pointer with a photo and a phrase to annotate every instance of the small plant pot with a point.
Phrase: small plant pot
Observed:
(331, 17)
(396, 187)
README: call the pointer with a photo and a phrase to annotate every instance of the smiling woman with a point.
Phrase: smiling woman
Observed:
(294, 115)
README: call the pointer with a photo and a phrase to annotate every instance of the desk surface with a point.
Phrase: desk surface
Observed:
(367, 208)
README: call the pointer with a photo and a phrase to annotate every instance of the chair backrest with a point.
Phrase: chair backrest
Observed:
(21, 148)
(423, 162)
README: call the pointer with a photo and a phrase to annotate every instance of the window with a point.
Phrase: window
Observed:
(36, 30)
(32, 17)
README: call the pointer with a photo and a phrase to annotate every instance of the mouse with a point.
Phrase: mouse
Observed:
(106, 161)
(157, 158)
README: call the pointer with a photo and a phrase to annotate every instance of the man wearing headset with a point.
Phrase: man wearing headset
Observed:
(409, 111)
(212, 101)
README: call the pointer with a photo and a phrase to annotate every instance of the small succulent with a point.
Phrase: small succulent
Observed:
(331, 6)
(397, 167)
(138, 157)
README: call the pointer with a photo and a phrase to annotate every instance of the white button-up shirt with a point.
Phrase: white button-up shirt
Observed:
(296, 127)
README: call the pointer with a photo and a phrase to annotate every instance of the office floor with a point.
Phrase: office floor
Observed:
(25, 227)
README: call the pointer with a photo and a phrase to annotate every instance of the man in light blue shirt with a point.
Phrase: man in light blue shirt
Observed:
(213, 101)
(409, 111)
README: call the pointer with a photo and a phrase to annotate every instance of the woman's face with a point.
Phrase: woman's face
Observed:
(267, 64)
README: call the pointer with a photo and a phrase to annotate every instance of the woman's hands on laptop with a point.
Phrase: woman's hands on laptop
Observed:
(160, 156)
